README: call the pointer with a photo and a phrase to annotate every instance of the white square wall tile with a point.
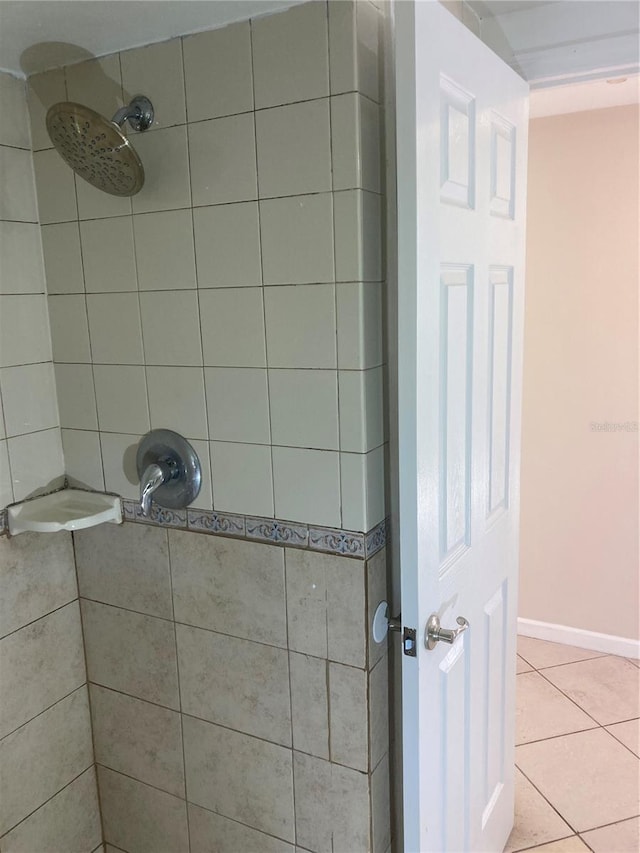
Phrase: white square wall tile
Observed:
(301, 327)
(170, 325)
(69, 328)
(297, 239)
(156, 71)
(223, 56)
(164, 250)
(238, 405)
(164, 155)
(21, 269)
(96, 204)
(97, 84)
(103, 242)
(14, 129)
(29, 398)
(119, 464)
(307, 485)
(294, 149)
(56, 188)
(232, 321)
(114, 328)
(177, 401)
(354, 35)
(24, 330)
(359, 325)
(242, 478)
(223, 160)
(121, 395)
(355, 142)
(304, 408)
(43, 91)
(342, 45)
(361, 410)
(76, 396)
(18, 199)
(83, 458)
(362, 489)
(36, 463)
(227, 238)
(358, 234)
(6, 486)
(63, 258)
(291, 55)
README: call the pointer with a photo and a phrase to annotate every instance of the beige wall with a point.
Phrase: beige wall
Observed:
(579, 542)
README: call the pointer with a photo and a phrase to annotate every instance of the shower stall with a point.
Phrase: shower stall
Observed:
(197, 678)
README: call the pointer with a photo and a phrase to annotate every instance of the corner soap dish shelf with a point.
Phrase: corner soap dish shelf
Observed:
(68, 509)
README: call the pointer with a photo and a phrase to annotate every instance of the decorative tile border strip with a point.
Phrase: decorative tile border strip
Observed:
(160, 516)
(328, 540)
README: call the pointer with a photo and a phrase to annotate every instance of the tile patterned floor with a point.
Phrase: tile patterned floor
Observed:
(577, 751)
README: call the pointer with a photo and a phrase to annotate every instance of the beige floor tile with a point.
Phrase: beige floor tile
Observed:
(627, 733)
(542, 711)
(608, 688)
(522, 665)
(618, 838)
(535, 821)
(634, 661)
(567, 845)
(540, 653)
(589, 777)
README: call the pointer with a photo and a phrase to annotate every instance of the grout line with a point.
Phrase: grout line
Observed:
(48, 800)
(335, 275)
(562, 734)
(286, 621)
(91, 362)
(536, 845)
(43, 711)
(43, 616)
(548, 680)
(189, 803)
(86, 672)
(547, 800)
(175, 641)
(596, 656)
(262, 286)
(202, 367)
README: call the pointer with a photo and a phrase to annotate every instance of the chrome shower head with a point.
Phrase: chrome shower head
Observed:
(97, 149)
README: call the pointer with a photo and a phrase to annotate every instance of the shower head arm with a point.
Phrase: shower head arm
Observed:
(139, 114)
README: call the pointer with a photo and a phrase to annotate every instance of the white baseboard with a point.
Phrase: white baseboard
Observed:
(607, 643)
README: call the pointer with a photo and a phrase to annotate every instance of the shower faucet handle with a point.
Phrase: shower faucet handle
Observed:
(169, 471)
(154, 476)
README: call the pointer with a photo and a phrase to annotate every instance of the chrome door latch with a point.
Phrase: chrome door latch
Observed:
(382, 623)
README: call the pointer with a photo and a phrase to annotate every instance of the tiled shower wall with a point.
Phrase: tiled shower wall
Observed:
(238, 702)
(30, 449)
(237, 297)
(48, 793)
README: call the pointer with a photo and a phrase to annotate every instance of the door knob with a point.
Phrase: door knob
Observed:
(433, 633)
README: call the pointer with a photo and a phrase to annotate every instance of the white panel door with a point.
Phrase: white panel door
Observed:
(461, 154)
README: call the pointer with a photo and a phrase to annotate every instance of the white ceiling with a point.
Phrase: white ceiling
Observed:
(40, 34)
(549, 42)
